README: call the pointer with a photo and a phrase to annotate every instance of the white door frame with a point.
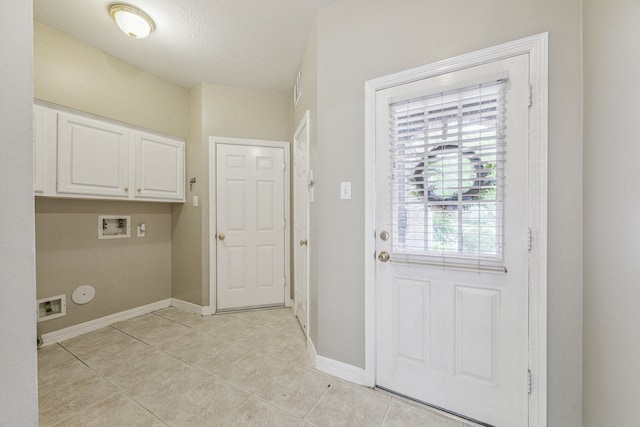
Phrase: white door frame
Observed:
(304, 125)
(213, 247)
(537, 48)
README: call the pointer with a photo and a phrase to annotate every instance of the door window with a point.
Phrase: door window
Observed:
(447, 155)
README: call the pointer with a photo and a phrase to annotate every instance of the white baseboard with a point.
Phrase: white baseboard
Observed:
(93, 325)
(207, 311)
(289, 303)
(312, 351)
(341, 370)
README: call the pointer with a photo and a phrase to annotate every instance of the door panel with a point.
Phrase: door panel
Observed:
(301, 220)
(452, 328)
(250, 226)
(159, 167)
(93, 157)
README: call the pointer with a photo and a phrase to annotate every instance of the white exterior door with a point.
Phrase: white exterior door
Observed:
(451, 241)
(250, 214)
(301, 220)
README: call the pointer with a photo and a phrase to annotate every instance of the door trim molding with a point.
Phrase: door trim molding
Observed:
(304, 124)
(286, 146)
(537, 48)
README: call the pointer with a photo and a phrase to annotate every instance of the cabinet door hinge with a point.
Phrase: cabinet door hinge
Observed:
(529, 381)
(529, 239)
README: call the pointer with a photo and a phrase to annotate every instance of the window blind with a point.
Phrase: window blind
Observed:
(447, 172)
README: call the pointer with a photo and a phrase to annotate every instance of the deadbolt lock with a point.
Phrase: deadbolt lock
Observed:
(384, 256)
(384, 235)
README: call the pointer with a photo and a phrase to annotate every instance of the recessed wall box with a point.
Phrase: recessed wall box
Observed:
(52, 307)
(114, 226)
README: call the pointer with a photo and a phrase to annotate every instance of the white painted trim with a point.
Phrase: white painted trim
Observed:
(304, 124)
(93, 325)
(311, 349)
(207, 311)
(286, 146)
(538, 208)
(537, 48)
(341, 370)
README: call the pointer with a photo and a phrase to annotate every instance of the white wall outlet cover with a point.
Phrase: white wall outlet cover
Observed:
(83, 294)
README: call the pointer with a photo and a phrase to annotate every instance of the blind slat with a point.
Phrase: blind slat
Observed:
(447, 155)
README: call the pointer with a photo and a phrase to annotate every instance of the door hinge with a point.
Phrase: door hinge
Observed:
(284, 223)
(284, 166)
(529, 381)
(529, 239)
(530, 98)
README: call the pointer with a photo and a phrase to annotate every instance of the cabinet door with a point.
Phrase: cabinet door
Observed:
(44, 150)
(159, 167)
(93, 157)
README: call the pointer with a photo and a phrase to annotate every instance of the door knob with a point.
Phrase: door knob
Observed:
(384, 256)
(304, 242)
(221, 236)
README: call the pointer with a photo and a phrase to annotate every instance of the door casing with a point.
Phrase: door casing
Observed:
(286, 146)
(537, 48)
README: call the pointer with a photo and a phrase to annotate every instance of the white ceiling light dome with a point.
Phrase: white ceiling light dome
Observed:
(131, 20)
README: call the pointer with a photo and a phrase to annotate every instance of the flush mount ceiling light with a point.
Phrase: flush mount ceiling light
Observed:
(131, 20)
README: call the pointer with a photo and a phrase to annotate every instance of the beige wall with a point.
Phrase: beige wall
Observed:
(126, 273)
(611, 209)
(186, 230)
(129, 272)
(217, 110)
(74, 74)
(18, 379)
(358, 40)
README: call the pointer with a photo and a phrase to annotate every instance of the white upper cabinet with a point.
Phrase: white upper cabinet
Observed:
(93, 157)
(159, 167)
(82, 157)
(44, 126)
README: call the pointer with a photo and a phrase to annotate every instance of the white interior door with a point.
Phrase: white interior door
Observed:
(301, 220)
(451, 241)
(250, 214)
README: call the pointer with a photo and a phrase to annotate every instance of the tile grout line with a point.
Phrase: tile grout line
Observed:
(386, 413)
(316, 405)
(120, 390)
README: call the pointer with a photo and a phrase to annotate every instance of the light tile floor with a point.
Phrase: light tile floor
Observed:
(180, 369)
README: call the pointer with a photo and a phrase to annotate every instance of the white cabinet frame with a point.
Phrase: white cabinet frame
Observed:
(78, 156)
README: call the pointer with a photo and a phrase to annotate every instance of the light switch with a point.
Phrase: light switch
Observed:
(196, 201)
(345, 190)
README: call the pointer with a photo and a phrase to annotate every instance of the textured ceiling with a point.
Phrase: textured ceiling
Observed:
(249, 43)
